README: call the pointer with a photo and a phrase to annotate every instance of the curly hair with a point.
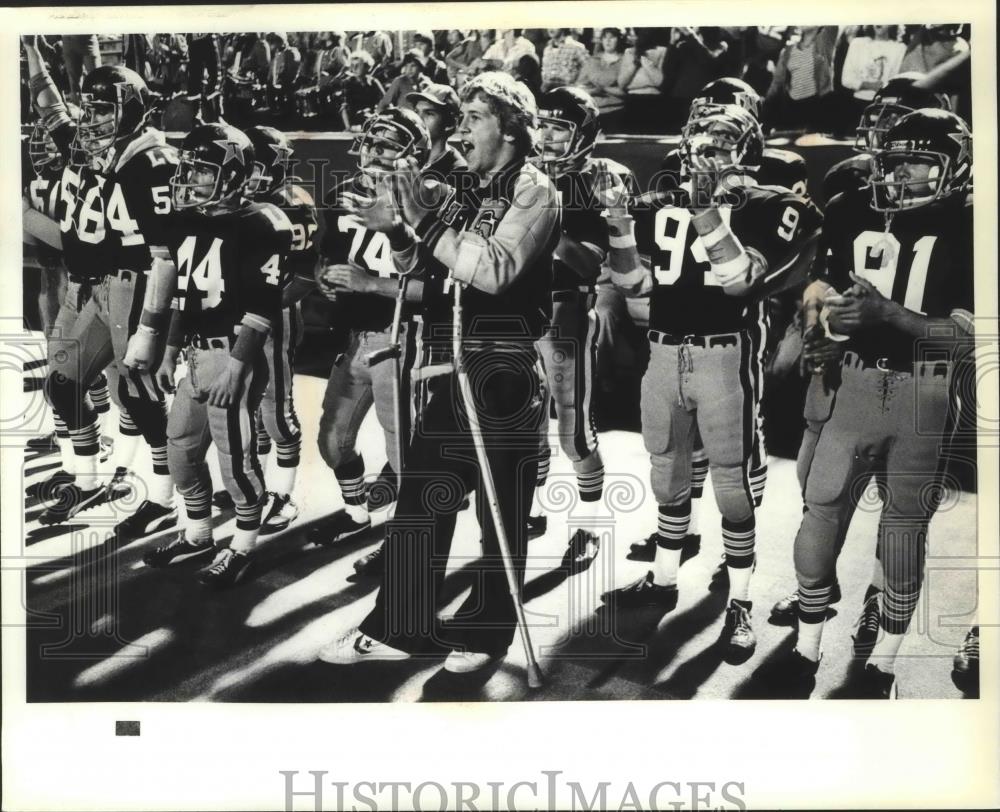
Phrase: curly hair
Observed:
(511, 102)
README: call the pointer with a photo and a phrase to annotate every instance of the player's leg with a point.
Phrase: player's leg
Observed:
(188, 441)
(147, 406)
(668, 435)
(538, 522)
(279, 421)
(51, 294)
(234, 432)
(129, 438)
(347, 400)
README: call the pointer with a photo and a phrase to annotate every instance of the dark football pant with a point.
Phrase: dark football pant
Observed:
(568, 356)
(352, 389)
(194, 425)
(877, 419)
(99, 336)
(277, 408)
(441, 469)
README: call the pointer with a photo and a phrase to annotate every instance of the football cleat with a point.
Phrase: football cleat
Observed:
(737, 632)
(583, 548)
(107, 447)
(71, 500)
(966, 660)
(372, 563)
(786, 611)
(175, 548)
(537, 525)
(281, 512)
(119, 486)
(44, 442)
(222, 500)
(228, 569)
(356, 647)
(48, 489)
(866, 629)
(642, 592)
(340, 527)
(878, 684)
(148, 519)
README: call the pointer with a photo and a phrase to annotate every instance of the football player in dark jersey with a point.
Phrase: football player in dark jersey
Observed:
(272, 183)
(229, 254)
(900, 95)
(115, 196)
(896, 289)
(713, 254)
(358, 275)
(569, 121)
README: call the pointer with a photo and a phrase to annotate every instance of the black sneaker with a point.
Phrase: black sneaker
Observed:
(47, 490)
(119, 486)
(786, 611)
(228, 569)
(222, 500)
(789, 677)
(176, 547)
(372, 563)
(583, 548)
(150, 518)
(866, 630)
(281, 512)
(537, 525)
(642, 592)
(878, 684)
(71, 501)
(645, 550)
(737, 633)
(44, 442)
(966, 660)
(340, 526)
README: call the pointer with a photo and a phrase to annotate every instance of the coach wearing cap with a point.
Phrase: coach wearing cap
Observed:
(439, 107)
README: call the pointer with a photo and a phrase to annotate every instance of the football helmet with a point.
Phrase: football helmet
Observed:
(925, 157)
(114, 106)
(891, 102)
(724, 92)
(725, 139)
(215, 162)
(573, 114)
(390, 136)
(272, 160)
(42, 150)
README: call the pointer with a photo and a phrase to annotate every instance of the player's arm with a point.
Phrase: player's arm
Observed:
(491, 264)
(628, 272)
(47, 99)
(39, 227)
(584, 258)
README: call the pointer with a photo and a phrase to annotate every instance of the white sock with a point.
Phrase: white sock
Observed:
(86, 471)
(67, 454)
(281, 480)
(536, 505)
(357, 512)
(126, 446)
(809, 637)
(244, 540)
(693, 524)
(198, 531)
(665, 566)
(161, 489)
(885, 651)
(739, 583)
(263, 460)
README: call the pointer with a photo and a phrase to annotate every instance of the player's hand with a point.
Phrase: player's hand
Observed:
(862, 306)
(818, 350)
(345, 278)
(418, 196)
(376, 213)
(227, 389)
(30, 40)
(610, 191)
(142, 352)
(165, 372)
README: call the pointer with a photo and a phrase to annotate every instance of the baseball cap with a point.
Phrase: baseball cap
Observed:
(443, 96)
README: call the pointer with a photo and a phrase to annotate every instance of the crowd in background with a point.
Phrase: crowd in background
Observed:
(815, 79)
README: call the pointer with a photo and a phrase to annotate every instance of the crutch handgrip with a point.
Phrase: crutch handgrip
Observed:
(385, 354)
(431, 371)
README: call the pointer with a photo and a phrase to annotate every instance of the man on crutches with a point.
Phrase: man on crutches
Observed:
(492, 237)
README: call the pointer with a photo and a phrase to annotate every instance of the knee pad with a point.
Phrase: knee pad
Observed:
(669, 488)
(66, 397)
(188, 467)
(732, 493)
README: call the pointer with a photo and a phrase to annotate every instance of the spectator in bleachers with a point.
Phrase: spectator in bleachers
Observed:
(599, 77)
(135, 53)
(81, 54)
(803, 81)
(168, 59)
(205, 76)
(762, 47)
(927, 46)
(362, 92)
(281, 73)
(465, 50)
(479, 64)
(252, 56)
(378, 44)
(508, 49)
(411, 79)
(873, 58)
(528, 71)
(641, 75)
(434, 69)
(562, 59)
(695, 58)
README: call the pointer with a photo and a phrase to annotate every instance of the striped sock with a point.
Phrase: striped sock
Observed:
(86, 447)
(738, 541)
(544, 461)
(671, 528)
(198, 514)
(758, 481)
(591, 485)
(247, 526)
(100, 397)
(351, 477)
(699, 472)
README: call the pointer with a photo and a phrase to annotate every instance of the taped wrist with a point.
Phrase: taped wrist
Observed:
(621, 232)
(51, 107)
(724, 250)
(430, 229)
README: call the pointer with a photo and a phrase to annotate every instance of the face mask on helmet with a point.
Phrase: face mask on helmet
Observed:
(382, 144)
(42, 150)
(558, 148)
(876, 120)
(98, 127)
(728, 140)
(264, 179)
(904, 179)
(196, 183)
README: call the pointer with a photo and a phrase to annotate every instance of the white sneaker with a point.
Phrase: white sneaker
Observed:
(356, 647)
(465, 662)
